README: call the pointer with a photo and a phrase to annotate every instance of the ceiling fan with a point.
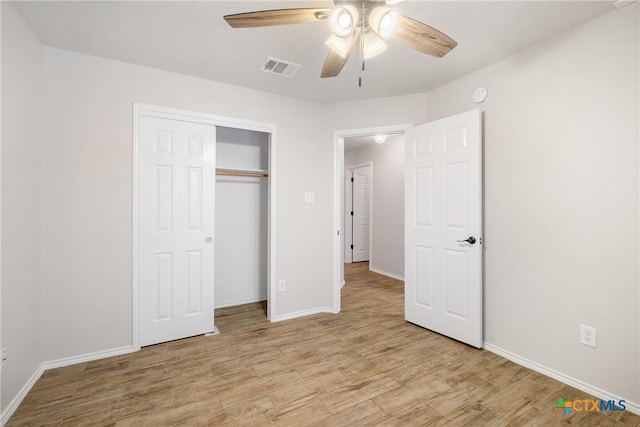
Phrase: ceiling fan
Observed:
(368, 23)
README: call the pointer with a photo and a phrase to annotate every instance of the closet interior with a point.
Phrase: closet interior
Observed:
(242, 206)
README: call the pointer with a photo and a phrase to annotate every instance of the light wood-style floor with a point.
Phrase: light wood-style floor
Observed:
(365, 366)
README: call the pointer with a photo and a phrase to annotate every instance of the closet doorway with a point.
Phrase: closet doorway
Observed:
(242, 201)
(203, 220)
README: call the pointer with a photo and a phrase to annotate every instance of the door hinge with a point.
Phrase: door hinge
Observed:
(351, 246)
(351, 179)
(351, 213)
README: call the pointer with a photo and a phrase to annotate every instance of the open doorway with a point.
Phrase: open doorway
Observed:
(369, 202)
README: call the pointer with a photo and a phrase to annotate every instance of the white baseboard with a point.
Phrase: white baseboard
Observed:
(566, 379)
(88, 357)
(303, 313)
(386, 273)
(59, 363)
(17, 400)
(239, 302)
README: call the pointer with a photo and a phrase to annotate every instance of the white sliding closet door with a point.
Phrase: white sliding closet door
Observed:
(176, 228)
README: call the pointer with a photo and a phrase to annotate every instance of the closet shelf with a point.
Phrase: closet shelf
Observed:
(253, 173)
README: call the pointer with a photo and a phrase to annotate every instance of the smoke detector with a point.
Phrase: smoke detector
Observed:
(280, 67)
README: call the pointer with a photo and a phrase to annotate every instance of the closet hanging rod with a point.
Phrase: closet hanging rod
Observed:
(251, 173)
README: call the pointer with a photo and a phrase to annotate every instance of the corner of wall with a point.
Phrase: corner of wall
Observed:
(20, 200)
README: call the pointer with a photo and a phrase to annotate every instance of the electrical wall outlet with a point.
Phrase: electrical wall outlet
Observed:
(3, 356)
(282, 285)
(588, 335)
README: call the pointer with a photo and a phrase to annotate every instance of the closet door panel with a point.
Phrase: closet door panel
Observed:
(176, 228)
(194, 198)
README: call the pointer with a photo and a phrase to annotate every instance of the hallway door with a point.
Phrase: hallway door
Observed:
(360, 214)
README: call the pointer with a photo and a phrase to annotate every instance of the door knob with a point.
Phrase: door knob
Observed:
(470, 240)
(209, 239)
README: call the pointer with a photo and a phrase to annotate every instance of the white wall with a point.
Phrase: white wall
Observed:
(87, 193)
(21, 202)
(378, 113)
(561, 196)
(241, 245)
(387, 233)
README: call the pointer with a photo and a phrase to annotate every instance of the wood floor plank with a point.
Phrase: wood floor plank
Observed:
(363, 367)
(309, 388)
(355, 393)
(300, 413)
(366, 413)
(417, 415)
(415, 392)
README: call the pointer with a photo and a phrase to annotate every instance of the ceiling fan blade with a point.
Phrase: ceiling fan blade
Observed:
(267, 18)
(423, 38)
(334, 63)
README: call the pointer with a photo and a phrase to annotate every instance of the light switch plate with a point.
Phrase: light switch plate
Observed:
(309, 197)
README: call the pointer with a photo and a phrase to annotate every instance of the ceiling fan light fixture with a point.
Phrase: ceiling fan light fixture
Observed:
(373, 45)
(384, 21)
(342, 20)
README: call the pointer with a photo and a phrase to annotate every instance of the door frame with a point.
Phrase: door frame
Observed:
(142, 110)
(338, 197)
(350, 168)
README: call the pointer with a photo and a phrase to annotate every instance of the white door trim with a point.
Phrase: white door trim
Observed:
(351, 168)
(338, 195)
(140, 110)
(347, 194)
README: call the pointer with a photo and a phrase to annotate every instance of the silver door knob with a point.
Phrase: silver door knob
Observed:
(209, 239)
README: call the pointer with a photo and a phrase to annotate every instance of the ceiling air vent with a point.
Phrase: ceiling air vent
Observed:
(280, 67)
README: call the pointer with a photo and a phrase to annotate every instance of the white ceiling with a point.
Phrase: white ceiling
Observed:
(192, 38)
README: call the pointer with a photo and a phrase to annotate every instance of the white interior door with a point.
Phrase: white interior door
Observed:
(176, 228)
(443, 227)
(361, 214)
